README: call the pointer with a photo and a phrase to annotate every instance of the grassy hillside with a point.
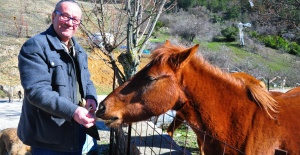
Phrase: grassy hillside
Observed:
(257, 60)
(21, 19)
(274, 59)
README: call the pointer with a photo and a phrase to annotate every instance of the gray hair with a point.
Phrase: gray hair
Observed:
(61, 1)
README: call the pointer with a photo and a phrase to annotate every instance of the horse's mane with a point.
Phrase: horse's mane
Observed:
(162, 53)
(263, 98)
(260, 95)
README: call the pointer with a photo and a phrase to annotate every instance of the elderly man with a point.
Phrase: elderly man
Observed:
(55, 77)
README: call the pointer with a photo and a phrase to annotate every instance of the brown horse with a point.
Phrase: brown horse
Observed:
(293, 91)
(210, 100)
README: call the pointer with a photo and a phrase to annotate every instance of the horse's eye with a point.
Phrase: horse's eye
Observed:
(151, 78)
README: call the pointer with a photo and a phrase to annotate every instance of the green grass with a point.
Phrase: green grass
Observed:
(103, 89)
(160, 37)
(274, 61)
(2, 94)
(211, 46)
(186, 138)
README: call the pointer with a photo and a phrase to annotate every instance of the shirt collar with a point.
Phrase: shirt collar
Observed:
(71, 49)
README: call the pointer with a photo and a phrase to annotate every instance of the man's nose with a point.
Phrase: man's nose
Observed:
(70, 22)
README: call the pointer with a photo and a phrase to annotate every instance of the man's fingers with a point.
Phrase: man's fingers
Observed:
(88, 125)
(90, 115)
(82, 116)
(88, 122)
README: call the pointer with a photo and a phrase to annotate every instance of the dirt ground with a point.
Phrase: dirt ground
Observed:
(102, 74)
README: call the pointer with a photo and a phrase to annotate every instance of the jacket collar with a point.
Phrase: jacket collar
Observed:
(55, 41)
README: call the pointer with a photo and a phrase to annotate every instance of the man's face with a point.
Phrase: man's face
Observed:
(63, 25)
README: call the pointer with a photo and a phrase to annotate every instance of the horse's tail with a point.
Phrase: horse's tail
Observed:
(263, 98)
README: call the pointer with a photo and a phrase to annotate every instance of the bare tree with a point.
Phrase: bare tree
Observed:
(127, 22)
(124, 22)
(275, 16)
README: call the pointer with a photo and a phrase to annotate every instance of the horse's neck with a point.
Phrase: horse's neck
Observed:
(216, 100)
(209, 84)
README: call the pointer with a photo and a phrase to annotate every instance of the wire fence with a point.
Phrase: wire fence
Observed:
(149, 139)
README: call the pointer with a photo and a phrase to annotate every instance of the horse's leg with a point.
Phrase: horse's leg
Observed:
(10, 96)
(20, 96)
(177, 121)
(201, 145)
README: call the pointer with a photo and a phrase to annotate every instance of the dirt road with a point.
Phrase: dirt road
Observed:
(9, 113)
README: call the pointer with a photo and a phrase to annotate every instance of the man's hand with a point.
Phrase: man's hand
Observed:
(82, 116)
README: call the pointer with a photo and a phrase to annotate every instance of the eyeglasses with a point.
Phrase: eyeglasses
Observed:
(67, 18)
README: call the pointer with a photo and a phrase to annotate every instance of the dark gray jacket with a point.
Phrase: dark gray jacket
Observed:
(47, 75)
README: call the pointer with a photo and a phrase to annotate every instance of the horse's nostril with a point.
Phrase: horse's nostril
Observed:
(114, 118)
(101, 110)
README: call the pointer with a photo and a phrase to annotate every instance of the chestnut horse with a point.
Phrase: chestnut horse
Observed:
(293, 91)
(212, 101)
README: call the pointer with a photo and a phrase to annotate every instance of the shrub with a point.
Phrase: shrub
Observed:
(186, 4)
(216, 18)
(190, 25)
(294, 49)
(254, 34)
(159, 24)
(277, 42)
(230, 33)
(282, 43)
(232, 13)
(269, 41)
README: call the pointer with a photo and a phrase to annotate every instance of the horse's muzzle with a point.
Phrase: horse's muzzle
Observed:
(101, 110)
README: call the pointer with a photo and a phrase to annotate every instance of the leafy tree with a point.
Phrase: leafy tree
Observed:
(232, 13)
(186, 4)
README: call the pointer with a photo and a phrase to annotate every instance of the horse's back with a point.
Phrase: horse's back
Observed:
(281, 132)
(288, 121)
(289, 105)
(293, 91)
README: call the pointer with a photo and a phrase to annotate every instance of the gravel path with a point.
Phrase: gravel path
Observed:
(9, 114)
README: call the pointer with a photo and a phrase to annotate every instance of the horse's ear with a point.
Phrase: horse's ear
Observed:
(180, 59)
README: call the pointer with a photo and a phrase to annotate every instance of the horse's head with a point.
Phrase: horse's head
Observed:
(152, 91)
